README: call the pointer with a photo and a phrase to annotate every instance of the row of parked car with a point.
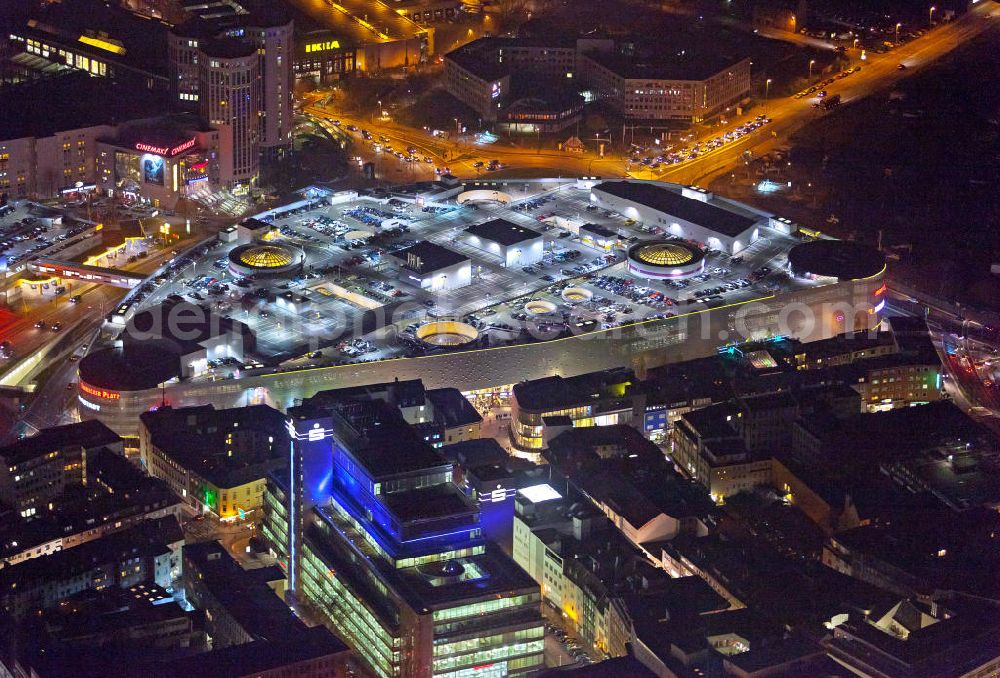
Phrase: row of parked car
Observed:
(572, 646)
(818, 90)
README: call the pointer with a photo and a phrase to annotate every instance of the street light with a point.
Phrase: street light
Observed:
(812, 62)
(897, 32)
(767, 90)
(930, 15)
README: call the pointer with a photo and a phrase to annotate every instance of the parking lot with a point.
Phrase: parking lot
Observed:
(353, 301)
(26, 230)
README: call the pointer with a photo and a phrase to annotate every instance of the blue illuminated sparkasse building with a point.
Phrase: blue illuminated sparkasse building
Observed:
(384, 547)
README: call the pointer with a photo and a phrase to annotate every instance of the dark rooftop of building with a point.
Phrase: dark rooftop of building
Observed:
(896, 434)
(478, 58)
(86, 434)
(227, 49)
(96, 101)
(841, 259)
(712, 422)
(846, 343)
(706, 215)
(776, 654)
(427, 257)
(198, 439)
(535, 93)
(375, 434)
(402, 393)
(215, 18)
(598, 230)
(618, 667)
(452, 409)
(487, 473)
(686, 64)
(473, 453)
(150, 537)
(633, 479)
(134, 367)
(936, 549)
(118, 36)
(557, 392)
(244, 594)
(183, 326)
(953, 646)
(257, 657)
(427, 503)
(111, 610)
(502, 232)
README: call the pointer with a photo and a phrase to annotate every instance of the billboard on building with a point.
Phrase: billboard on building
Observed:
(152, 169)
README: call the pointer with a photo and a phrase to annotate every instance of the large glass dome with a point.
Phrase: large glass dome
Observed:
(266, 256)
(665, 254)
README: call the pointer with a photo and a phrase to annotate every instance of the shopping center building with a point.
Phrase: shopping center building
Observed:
(432, 336)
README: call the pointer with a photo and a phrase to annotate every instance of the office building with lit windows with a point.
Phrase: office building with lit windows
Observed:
(524, 85)
(543, 408)
(683, 86)
(384, 547)
(92, 36)
(440, 416)
(233, 64)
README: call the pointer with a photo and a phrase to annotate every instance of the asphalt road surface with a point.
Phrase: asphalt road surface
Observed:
(878, 72)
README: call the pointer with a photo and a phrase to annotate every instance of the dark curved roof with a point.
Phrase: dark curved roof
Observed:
(135, 368)
(839, 259)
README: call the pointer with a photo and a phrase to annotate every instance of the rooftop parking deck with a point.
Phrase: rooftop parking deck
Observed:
(355, 302)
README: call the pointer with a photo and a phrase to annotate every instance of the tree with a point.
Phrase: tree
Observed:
(510, 13)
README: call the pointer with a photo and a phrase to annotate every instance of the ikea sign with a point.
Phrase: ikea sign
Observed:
(323, 46)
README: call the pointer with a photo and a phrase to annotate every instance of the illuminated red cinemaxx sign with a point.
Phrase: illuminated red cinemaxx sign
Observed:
(166, 150)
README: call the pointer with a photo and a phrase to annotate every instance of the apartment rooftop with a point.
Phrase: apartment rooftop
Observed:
(257, 657)
(244, 594)
(86, 434)
(150, 537)
(452, 409)
(635, 482)
(200, 440)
